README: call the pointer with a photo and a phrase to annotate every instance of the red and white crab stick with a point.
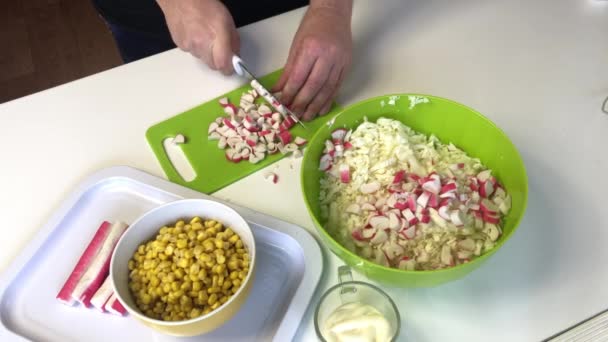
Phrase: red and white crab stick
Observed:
(93, 266)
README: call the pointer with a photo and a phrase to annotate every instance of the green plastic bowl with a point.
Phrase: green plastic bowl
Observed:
(450, 122)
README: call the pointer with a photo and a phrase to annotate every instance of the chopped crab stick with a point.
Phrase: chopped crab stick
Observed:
(86, 259)
(98, 269)
(102, 295)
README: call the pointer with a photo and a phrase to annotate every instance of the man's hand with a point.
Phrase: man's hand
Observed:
(319, 57)
(204, 28)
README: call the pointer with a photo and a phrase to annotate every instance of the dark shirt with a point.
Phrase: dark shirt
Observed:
(146, 16)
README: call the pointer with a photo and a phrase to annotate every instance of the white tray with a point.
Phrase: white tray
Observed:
(289, 267)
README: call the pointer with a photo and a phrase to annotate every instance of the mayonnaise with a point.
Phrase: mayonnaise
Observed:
(357, 322)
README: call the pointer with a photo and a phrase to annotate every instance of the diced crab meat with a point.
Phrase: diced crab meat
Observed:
(486, 189)
(212, 136)
(433, 201)
(354, 208)
(260, 148)
(264, 109)
(234, 141)
(291, 147)
(223, 101)
(230, 109)
(252, 140)
(356, 234)
(484, 175)
(325, 163)
(271, 177)
(276, 117)
(505, 205)
(379, 222)
(255, 158)
(368, 207)
(432, 185)
(300, 141)
(344, 173)
(329, 146)
(409, 216)
(270, 137)
(222, 143)
(411, 202)
(449, 188)
(369, 188)
(394, 221)
(500, 193)
(488, 207)
(437, 218)
(233, 155)
(423, 199)
(248, 97)
(399, 176)
(212, 127)
(457, 218)
(338, 134)
(379, 238)
(368, 233)
(489, 218)
(408, 233)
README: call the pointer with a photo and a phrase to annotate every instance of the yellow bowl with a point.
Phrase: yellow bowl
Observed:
(146, 228)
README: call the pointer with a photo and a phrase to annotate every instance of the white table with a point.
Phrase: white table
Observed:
(536, 68)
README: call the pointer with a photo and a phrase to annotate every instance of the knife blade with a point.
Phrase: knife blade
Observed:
(241, 69)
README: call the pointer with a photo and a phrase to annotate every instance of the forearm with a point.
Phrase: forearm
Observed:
(342, 7)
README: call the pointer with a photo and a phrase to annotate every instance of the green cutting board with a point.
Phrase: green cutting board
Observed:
(213, 171)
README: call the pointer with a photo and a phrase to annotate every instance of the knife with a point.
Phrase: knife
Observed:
(243, 71)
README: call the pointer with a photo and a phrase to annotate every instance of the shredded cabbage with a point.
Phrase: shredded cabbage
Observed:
(381, 149)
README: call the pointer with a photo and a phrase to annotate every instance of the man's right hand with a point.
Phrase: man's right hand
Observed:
(204, 28)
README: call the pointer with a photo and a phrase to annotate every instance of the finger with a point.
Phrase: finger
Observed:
(222, 51)
(314, 83)
(297, 76)
(286, 70)
(204, 53)
(322, 96)
(330, 100)
(236, 42)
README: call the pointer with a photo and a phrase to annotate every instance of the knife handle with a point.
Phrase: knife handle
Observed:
(236, 64)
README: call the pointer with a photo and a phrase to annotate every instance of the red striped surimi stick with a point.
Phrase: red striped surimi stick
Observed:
(113, 306)
(102, 295)
(65, 294)
(93, 266)
(98, 270)
(269, 97)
